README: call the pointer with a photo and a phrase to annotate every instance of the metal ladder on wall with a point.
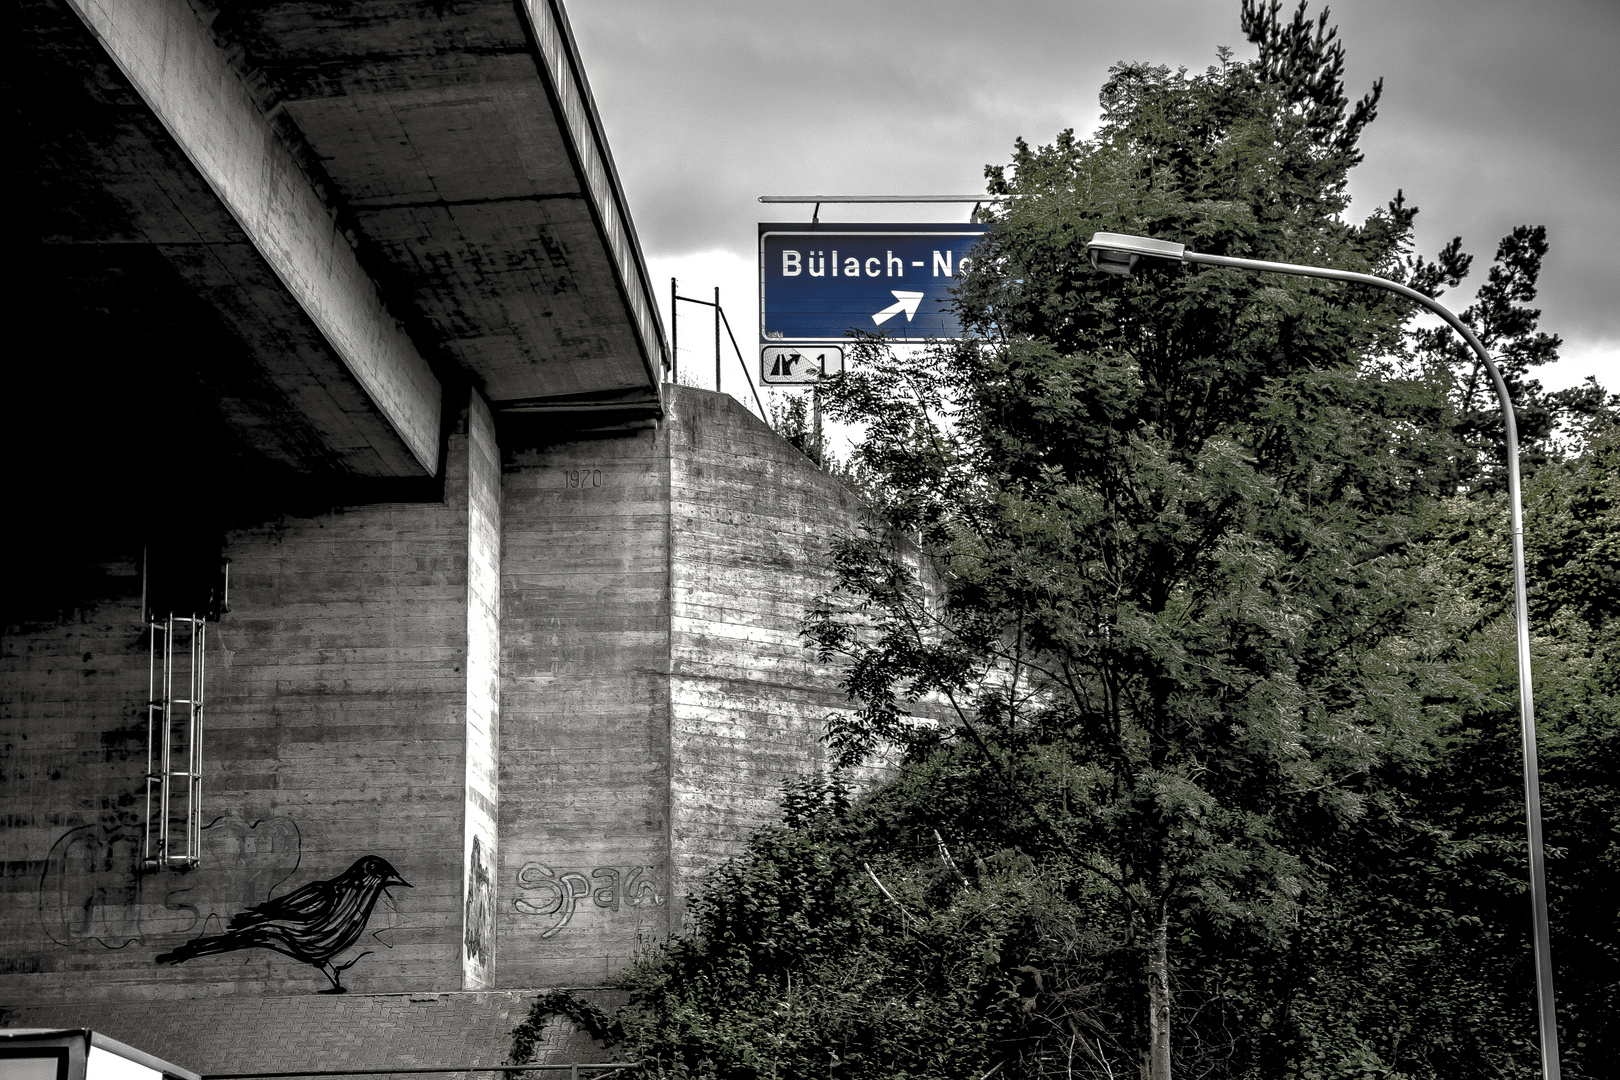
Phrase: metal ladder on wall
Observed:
(174, 725)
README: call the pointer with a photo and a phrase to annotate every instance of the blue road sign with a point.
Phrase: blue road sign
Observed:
(817, 282)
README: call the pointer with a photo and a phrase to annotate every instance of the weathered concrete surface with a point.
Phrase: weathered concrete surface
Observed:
(143, 282)
(183, 76)
(655, 690)
(348, 688)
(585, 707)
(552, 700)
(281, 228)
(268, 242)
(751, 522)
(462, 144)
(480, 834)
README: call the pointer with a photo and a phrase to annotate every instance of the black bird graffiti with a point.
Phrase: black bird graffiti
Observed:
(312, 924)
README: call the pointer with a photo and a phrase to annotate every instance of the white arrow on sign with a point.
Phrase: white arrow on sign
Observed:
(908, 302)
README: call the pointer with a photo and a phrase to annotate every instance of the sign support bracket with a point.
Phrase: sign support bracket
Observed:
(719, 320)
(817, 200)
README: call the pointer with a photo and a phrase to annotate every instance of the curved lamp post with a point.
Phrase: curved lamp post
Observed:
(1115, 253)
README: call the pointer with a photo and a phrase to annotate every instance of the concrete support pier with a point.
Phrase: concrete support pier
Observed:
(550, 701)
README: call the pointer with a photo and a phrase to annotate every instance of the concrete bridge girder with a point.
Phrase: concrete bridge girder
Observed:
(463, 145)
(364, 206)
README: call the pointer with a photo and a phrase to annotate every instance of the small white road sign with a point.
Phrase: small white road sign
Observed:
(799, 364)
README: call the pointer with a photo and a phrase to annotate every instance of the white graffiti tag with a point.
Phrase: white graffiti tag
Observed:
(557, 895)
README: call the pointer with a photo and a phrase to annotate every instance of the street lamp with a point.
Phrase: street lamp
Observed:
(1114, 253)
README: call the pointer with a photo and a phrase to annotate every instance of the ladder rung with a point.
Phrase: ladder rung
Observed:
(180, 790)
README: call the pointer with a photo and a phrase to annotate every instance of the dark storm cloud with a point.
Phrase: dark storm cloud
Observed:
(1495, 112)
(711, 105)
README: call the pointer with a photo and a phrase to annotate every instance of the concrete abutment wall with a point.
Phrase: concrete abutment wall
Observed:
(585, 689)
(552, 701)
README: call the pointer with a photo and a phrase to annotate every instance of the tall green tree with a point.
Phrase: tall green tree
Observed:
(1572, 542)
(1548, 422)
(1174, 518)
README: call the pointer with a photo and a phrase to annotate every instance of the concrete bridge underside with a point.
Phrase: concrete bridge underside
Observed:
(261, 245)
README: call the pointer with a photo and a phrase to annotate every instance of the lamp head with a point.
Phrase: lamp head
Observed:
(1116, 253)
(1110, 261)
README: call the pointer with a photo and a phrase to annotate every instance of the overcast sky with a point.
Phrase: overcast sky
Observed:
(1494, 113)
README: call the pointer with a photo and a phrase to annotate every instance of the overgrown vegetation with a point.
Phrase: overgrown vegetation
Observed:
(1209, 719)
